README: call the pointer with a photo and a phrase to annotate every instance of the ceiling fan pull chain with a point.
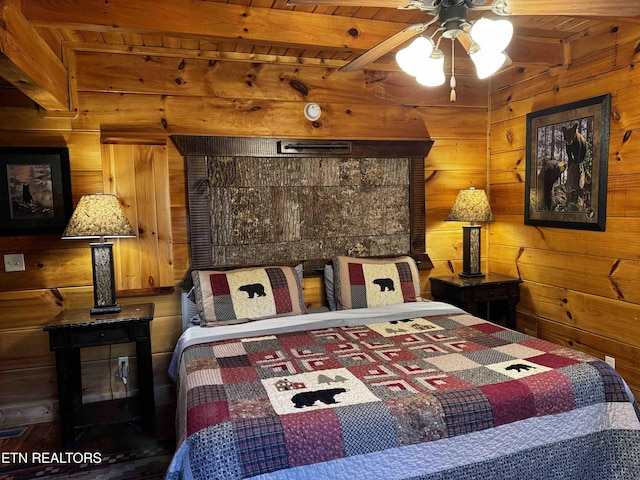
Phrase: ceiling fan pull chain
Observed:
(453, 96)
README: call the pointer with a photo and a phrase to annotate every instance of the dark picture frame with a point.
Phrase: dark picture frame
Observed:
(566, 165)
(35, 190)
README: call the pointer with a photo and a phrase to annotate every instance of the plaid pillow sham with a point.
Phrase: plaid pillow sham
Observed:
(369, 282)
(246, 294)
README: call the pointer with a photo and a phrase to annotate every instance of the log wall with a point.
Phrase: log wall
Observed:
(127, 106)
(580, 288)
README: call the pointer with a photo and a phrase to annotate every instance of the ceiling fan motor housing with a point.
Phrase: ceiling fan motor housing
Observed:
(452, 18)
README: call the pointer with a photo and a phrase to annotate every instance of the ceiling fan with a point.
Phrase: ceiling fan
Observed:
(452, 16)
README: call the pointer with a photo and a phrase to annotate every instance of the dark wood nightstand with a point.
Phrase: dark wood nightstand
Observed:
(490, 297)
(74, 329)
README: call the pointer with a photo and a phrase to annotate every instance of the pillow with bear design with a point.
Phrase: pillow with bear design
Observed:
(375, 282)
(245, 294)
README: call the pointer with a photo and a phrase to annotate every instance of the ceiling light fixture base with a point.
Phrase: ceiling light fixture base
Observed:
(312, 111)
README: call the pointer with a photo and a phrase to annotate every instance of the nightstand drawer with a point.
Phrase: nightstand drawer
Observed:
(494, 293)
(102, 336)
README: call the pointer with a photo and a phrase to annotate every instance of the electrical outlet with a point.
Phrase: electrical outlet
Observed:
(123, 368)
(610, 360)
(14, 262)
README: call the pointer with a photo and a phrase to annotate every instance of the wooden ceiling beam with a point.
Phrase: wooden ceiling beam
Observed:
(27, 62)
(238, 23)
(263, 26)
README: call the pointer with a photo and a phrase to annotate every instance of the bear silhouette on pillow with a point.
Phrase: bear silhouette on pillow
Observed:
(253, 289)
(385, 284)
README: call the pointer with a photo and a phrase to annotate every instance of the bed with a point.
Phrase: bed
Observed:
(386, 389)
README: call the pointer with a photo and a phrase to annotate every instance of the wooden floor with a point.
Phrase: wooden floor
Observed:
(45, 437)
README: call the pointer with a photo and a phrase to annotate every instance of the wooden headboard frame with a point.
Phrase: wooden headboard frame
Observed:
(196, 150)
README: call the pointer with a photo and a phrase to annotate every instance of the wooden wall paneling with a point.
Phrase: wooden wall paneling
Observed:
(45, 410)
(457, 154)
(172, 115)
(503, 259)
(579, 287)
(120, 180)
(617, 242)
(625, 111)
(314, 292)
(45, 267)
(139, 176)
(462, 124)
(521, 101)
(20, 113)
(41, 305)
(508, 167)
(24, 348)
(163, 233)
(147, 216)
(28, 387)
(583, 311)
(179, 223)
(181, 264)
(598, 275)
(507, 198)
(201, 77)
(508, 135)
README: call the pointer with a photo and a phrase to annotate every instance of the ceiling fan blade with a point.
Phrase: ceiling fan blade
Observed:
(583, 8)
(354, 3)
(383, 47)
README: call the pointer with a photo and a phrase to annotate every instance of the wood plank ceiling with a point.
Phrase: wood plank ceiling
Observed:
(263, 31)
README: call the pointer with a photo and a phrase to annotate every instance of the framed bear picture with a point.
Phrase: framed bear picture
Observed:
(566, 169)
(35, 190)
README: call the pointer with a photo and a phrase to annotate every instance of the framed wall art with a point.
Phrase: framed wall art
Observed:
(35, 190)
(567, 159)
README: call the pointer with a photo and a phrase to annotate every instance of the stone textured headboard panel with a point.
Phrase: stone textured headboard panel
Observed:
(258, 201)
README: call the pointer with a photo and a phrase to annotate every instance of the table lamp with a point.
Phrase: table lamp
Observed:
(100, 216)
(471, 205)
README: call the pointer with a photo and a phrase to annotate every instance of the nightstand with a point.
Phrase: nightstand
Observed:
(74, 329)
(490, 297)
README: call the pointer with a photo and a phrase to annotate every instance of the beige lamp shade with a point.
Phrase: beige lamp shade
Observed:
(471, 205)
(98, 216)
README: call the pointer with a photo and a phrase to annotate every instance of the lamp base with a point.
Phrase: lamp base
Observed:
(101, 310)
(471, 252)
(471, 275)
(104, 284)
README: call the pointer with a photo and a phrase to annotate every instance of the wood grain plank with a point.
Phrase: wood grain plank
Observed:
(212, 116)
(197, 77)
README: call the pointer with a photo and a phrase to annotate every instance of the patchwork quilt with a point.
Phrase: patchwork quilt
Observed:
(274, 404)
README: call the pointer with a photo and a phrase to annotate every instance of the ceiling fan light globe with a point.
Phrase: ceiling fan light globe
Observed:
(487, 63)
(432, 75)
(407, 62)
(431, 79)
(411, 58)
(492, 35)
